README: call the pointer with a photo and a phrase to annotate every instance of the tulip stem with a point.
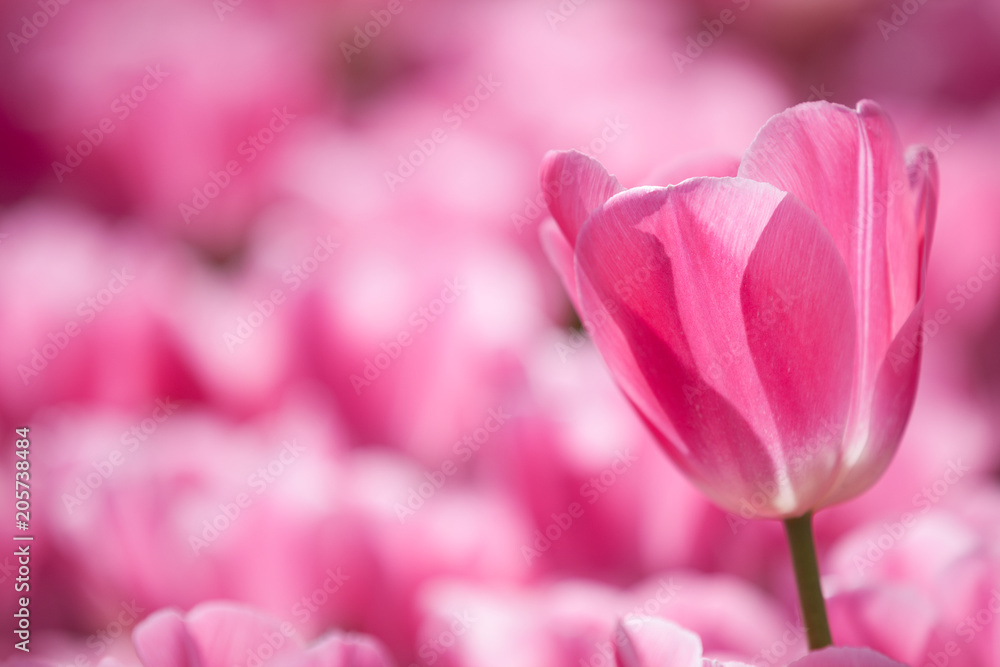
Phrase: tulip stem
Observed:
(803, 548)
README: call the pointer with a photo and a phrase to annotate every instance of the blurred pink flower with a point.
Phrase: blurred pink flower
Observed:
(571, 622)
(924, 586)
(412, 302)
(579, 448)
(221, 635)
(170, 507)
(894, 619)
(764, 324)
(460, 534)
(186, 110)
(652, 642)
(80, 306)
(924, 53)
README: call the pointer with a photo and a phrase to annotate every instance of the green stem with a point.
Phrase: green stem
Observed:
(800, 541)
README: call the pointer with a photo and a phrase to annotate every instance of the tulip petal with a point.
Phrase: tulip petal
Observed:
(651, 642)
(892, 619)
(895, 391)
(896, 385)
(666, 266)
(908, 243)
(846, 166)
(163, 640)
(227, 633)
(799, 316)
(629, 306)
(345, 650)
(560, 254)
(837, 656)
(574, 185)
(921, 165)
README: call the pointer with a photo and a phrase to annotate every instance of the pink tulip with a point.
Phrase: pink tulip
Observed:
(764, 322)
(221, 634)
(649, 642)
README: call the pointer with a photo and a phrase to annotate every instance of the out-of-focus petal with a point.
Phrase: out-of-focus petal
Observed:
(652, 642)
(891, 619)
(163, 640)
(345, 650)
(227, 633)
(836, 656)
(560, 254)
(922, 167)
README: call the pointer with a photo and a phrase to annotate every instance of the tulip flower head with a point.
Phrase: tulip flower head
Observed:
(763, 318)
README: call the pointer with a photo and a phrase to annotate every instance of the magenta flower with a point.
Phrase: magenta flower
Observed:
(764, 319)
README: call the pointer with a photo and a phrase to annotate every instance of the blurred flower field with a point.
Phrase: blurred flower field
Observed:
(275, 314)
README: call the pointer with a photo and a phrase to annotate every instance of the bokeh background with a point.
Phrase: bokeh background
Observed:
(273, 306)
